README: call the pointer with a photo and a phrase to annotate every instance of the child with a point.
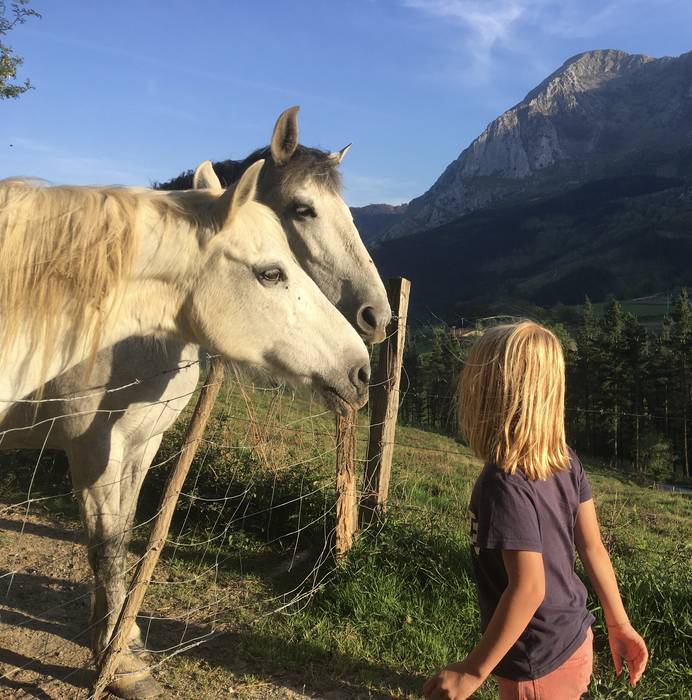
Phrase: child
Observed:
(529, 507)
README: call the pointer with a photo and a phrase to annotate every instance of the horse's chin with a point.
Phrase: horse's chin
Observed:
(330, 397)
(335, 402)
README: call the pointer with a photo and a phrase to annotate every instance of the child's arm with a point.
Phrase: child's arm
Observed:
(624, 641)
(524, 593)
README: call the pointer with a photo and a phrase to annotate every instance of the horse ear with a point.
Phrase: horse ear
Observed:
(338, 156)
(285, 136)
(205, 178)
(245, 191)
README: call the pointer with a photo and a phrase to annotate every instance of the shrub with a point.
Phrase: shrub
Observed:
(657, 456)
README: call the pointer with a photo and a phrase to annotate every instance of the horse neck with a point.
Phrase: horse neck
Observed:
(169, 251)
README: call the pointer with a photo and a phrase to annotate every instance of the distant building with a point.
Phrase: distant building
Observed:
(464, 332)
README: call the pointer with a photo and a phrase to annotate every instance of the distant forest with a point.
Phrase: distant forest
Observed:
(629, 389)
(629, 236)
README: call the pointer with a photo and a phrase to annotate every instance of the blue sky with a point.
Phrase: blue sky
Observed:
(131, 92)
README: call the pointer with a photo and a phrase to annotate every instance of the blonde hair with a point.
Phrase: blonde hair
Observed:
(511, 400)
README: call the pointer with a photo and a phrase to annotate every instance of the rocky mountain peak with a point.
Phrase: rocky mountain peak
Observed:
(588, 71)
(600, 113)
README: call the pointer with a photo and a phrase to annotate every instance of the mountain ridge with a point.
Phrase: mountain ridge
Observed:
(594, 116)
(627, 235)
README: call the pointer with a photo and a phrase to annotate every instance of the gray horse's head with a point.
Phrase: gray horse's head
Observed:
(303, 187)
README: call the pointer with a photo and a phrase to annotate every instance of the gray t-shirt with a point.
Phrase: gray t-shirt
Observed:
(509, 511)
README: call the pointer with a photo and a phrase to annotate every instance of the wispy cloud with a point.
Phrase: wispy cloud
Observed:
(579, 19)
(490, 29)
(485, 23)
(292, 92)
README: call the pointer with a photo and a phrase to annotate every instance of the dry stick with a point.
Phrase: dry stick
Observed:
(346, 482)
(384, 406)
(258, 439)
(157, 538)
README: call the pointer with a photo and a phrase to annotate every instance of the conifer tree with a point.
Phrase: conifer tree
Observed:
(612, 378)
(436, 382)
(582, 390)
(634, 372)
(681, 346)
(453, 355)
(661, 376)
(412, 382)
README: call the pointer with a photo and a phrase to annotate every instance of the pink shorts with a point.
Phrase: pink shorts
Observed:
(567, 682)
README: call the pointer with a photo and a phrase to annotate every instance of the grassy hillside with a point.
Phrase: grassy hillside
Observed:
(249, 559)
(627, 236)
(403, 604)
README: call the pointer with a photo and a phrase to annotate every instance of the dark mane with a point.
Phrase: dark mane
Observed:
(306, 163)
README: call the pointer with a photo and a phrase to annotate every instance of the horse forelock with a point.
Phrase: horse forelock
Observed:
(259, 220)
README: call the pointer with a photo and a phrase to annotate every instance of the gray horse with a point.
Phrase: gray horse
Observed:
(111, 434)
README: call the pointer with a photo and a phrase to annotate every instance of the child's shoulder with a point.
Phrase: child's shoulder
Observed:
(493, 480)
(500, 496)
(575, 465)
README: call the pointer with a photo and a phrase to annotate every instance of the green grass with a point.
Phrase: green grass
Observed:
(403, 603)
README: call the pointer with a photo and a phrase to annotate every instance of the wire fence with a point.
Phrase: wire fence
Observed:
(240, 496)
(253, 532)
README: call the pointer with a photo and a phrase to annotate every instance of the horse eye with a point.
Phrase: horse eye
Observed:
(273, 275)
(305, 211)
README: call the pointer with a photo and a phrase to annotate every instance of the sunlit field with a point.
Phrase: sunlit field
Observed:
(250, 557)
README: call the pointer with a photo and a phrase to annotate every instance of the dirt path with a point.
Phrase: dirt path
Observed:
(44, 607)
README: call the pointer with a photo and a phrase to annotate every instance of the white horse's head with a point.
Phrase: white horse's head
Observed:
(303, 186)
(253, 303)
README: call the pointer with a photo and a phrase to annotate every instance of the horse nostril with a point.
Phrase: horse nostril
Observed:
(360, 377)
(367, 319)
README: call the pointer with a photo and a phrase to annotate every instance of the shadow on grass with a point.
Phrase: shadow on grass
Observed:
(311, 671)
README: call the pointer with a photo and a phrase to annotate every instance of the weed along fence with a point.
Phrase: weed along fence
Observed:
(384, 402)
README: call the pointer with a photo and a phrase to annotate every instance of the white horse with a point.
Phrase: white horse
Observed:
(210, 267)
(111, 437)
(84, 268)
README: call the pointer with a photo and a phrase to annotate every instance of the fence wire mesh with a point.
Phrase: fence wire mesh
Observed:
(253, 532)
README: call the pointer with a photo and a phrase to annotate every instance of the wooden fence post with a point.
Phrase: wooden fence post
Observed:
(346, 483)
(384, 405)
(159, 532)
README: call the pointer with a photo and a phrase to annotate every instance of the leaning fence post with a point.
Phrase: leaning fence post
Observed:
(346, 482)
(384, 405)
(159, 532)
